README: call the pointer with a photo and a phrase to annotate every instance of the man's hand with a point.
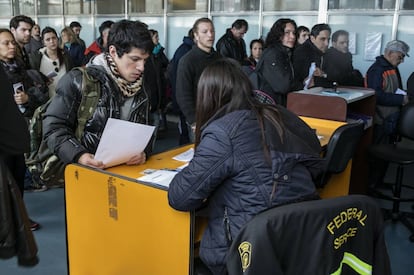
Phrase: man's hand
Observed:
(88, 160)
(138, 159)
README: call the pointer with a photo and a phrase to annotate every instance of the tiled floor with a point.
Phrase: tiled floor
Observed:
(48, 209)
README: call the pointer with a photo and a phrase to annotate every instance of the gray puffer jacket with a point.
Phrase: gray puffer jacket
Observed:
(60, 120)
(231, 170)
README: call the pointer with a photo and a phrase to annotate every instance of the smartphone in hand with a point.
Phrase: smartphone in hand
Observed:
(51, 74)
(18, 87)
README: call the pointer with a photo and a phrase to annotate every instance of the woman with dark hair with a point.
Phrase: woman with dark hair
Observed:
(302, 34)
(51, 60)
(256, 50)
(249, 156)
(275, 67)
(27, 94)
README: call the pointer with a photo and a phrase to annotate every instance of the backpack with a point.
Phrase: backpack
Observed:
(45, 167)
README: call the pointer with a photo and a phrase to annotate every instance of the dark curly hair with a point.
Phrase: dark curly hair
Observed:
(277, 31)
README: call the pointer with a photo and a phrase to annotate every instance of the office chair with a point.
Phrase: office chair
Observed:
(401, 156)
(340, 149)
(342, 235)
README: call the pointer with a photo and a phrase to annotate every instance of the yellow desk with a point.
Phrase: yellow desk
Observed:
(117, 225)
(338, 185)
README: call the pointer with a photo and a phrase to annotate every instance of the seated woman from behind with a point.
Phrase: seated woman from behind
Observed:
(249, 157)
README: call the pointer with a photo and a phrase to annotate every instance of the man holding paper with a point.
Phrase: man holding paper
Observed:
(119, 71)
(384, 77)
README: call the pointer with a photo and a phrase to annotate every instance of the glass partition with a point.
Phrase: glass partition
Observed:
(47, 7)
(54, 22)
(76, 7)
(235, 5)
(187, 5)
(6, 8)
(358, 4)
(177, 28)
(290, 5)
(110, 7)
(146, 6)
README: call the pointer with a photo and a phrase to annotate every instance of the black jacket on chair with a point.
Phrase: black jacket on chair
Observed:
(325, 236)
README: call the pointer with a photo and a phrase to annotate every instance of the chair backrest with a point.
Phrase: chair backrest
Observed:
(340, 149)
(342, 235)
(406, 121)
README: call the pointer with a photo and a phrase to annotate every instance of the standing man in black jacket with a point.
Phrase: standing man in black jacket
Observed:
(338, 62)
(119, 71)
(232, 44)
(190, 67)
(312, 50)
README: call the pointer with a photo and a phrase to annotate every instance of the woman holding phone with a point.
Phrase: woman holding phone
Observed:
(28, 94)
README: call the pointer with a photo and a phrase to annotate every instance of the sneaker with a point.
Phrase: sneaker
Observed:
(34, 225)
(35, 187)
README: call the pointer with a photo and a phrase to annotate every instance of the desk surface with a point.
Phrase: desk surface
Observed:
(324, 128)
(349, 94)
(116, 225)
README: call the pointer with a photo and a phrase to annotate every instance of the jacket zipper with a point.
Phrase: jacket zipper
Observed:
(226, 224)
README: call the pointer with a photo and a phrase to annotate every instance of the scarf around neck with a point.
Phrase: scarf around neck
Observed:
(128, 89)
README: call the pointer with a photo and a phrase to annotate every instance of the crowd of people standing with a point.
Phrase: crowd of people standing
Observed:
(244, 146)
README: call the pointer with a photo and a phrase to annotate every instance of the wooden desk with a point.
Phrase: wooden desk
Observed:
(117, 225)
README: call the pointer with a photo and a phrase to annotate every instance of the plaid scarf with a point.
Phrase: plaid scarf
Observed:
(128, 89)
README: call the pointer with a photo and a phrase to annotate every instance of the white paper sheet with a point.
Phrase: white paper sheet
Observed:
(121, 140)
(400, 92)
(312, 68)
(185, 156)
(160, 177)
(372, 45)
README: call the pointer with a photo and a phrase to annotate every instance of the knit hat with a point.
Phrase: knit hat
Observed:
(398, 46)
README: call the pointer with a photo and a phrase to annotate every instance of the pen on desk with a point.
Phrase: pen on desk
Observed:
(172, 170)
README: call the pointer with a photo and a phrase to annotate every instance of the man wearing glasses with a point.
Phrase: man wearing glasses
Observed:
(384, 77)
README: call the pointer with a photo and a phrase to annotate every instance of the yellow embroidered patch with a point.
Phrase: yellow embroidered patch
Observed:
(245, 251)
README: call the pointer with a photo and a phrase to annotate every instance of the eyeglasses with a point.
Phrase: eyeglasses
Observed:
(55, 64)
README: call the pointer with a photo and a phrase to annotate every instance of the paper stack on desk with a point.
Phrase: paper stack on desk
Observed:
(121, 140)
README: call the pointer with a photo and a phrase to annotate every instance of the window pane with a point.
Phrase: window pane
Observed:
(235, 5)
(5, 8)
(48, 7)
(290, 5)
(110, 7)
(358, 4)
(147, 6)
(407, 4)
(25, 7)
(78, 6)
(187, 5)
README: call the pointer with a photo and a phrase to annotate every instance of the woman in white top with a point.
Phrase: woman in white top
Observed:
(51, 60)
